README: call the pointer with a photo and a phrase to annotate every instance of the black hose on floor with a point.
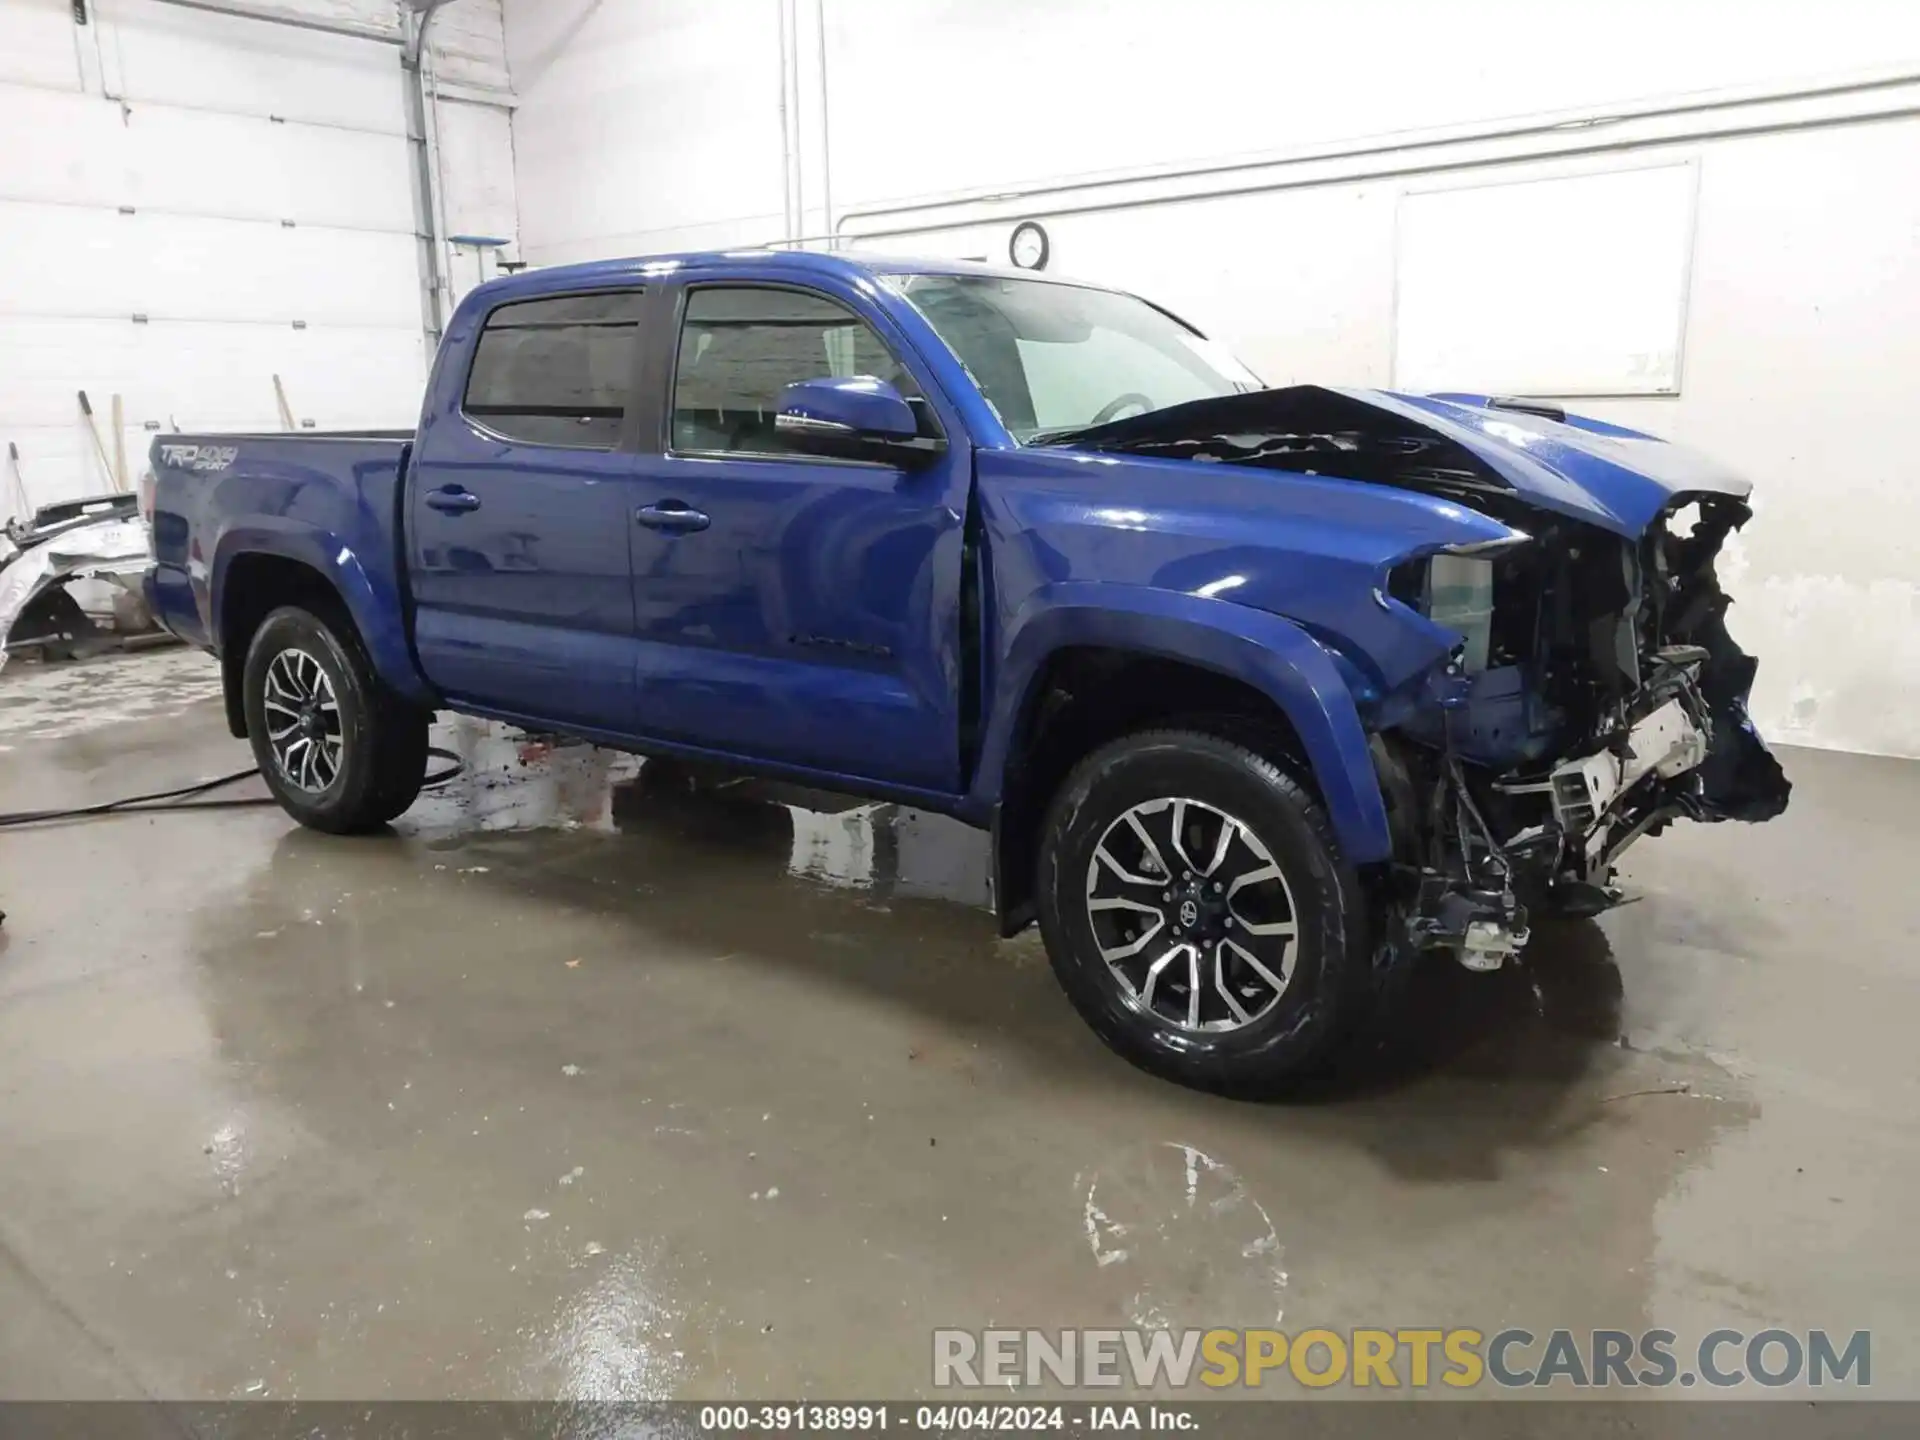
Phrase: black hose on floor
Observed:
(184, 798)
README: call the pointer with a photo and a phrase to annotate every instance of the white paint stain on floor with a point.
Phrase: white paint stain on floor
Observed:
(45, 702)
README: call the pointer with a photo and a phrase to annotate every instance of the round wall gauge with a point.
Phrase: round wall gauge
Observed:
(1028, 248)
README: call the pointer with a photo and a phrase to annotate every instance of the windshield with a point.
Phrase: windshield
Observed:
(1052, 357)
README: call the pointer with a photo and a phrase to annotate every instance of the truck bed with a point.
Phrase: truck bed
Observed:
(330, 500)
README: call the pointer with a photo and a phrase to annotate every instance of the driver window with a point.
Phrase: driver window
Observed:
(1073, 382)
(741, 345)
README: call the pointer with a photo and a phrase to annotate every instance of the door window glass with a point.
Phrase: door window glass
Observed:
(557, 371)
(740, 346)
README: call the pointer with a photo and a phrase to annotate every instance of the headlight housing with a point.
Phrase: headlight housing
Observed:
(1454, 588)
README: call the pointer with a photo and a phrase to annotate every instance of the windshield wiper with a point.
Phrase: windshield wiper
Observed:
(1054, 437)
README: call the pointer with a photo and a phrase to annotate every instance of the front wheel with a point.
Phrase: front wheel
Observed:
(1198, 913)
(340, 752)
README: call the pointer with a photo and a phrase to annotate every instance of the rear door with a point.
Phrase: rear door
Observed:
(787, 606)
(520, 503)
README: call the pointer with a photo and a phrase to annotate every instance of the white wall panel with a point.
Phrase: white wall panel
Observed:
(1803, 353)
(242, 166)
(479, 189)
(655, 125)
(945, 95)
(37, 44)
(732, 233)
(169, 55)
(200, 376)
(212, 130)
(372, 17)
(476, 150)
(58, 260)
(91, 153)
(61, 146)
(468, 45)
(205, 374)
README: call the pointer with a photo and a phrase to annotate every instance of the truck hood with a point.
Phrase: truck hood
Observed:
(1605, 475)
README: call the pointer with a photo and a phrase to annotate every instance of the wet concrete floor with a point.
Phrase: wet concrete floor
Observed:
(589, 1082)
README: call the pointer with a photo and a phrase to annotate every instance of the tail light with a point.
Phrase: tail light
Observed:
(146, 501)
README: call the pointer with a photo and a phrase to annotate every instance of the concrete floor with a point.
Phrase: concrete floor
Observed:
(582, 1086)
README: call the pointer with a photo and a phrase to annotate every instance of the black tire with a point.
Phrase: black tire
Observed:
(382, 740)
(1306, 1019)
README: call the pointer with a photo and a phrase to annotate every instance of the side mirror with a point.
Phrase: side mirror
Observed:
(856, 419)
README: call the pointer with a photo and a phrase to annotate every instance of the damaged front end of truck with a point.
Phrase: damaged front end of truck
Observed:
(1591, 695)
(1595, 697)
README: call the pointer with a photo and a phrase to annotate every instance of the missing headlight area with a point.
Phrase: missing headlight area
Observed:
(1595, 697)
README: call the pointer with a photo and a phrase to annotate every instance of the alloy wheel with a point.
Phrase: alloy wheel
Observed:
(1192, 915)
(303, 721)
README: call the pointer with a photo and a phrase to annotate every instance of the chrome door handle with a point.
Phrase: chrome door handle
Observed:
(673, 516)
(453, 500)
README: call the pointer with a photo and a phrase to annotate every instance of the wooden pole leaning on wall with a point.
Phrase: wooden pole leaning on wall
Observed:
(22, 506)
(119, 413)
(92, 422)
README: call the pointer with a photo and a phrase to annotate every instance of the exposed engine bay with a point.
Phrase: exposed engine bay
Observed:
(1594, 695)
(1595, 699)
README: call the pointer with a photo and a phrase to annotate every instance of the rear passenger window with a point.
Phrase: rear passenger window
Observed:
(557, 371)
(741, 345)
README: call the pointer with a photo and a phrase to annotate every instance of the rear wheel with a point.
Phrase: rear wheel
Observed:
(339, 750)
(1198, 913)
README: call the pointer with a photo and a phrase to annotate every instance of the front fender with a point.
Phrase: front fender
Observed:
(367, 591)
(1270, 653)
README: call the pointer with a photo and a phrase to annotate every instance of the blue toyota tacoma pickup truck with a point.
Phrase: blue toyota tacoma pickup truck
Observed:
(1262, 693)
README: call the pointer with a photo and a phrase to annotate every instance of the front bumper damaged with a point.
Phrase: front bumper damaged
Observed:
(1594, 695)
(1663, 735)
(1588, 794)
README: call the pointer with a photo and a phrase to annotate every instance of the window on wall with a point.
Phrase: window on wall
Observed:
(740, 346)
(557, 371)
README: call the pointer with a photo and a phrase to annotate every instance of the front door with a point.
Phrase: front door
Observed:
(519, 508)
(787, 606)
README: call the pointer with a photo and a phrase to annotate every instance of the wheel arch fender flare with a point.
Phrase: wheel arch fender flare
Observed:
(1268, 652)
(375, 610)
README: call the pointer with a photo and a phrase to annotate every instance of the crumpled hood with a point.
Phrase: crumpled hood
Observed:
(1608, 475)
(1604, 475)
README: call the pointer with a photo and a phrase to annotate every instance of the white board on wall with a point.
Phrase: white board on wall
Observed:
(1575, 285)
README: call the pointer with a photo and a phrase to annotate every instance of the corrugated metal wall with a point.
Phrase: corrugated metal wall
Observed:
(192, 203)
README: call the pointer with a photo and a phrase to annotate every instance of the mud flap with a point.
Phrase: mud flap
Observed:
(1013, 902)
